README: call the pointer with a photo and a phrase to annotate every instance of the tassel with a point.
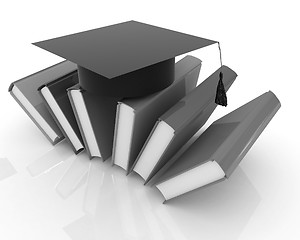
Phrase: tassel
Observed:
(221, 98)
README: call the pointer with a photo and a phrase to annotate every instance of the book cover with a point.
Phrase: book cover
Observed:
(136, 116)
(55, 95)
(218, 151)
(95, 115)
(180, 123)
(25, 93)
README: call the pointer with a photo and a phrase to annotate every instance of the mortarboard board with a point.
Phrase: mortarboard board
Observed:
(128, 59)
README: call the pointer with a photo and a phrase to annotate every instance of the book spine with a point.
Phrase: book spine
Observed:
(11, 87)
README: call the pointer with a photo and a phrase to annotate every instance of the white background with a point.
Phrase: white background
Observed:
(43, 190)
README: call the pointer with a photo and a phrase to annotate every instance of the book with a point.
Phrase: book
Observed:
(180, 123)
(24, 91)
(136, 117)
(218, 151)
(129, 59)
(55, 95)
(95, 115)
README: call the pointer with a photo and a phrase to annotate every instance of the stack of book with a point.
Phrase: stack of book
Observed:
(141, 112)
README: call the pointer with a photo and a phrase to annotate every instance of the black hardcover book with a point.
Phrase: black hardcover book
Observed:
(25, 93)
(215, 155)
(58, 103)
(136, 117)
(176, 126)
(95, 115)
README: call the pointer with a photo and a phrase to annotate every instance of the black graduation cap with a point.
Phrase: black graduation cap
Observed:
(128, 59)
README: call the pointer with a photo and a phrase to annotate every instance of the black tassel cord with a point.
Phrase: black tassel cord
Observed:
(221, 98)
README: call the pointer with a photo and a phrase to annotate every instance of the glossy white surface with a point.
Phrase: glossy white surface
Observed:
(49, 193)
(68, 196)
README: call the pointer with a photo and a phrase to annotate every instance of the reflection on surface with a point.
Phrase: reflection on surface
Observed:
(74, 177)
(225, 207)
(160, 225)
(126, 206)
(6, 169)
(51, 159)
(94, 184)
(121, 207)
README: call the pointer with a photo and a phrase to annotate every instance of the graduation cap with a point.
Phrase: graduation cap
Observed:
(128, 59)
